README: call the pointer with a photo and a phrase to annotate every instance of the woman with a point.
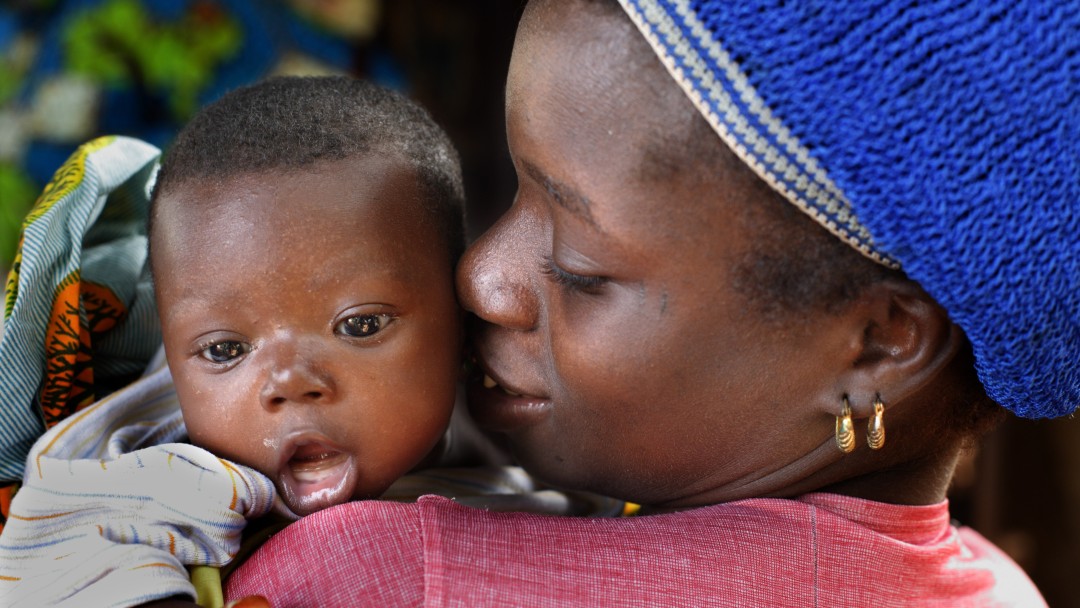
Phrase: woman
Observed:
(661, 316)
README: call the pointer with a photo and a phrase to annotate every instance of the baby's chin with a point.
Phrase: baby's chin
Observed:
(316, 479)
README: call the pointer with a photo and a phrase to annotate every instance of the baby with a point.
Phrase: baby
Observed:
(303, 236)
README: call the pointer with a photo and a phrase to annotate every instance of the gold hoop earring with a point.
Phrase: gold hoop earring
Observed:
(845, 429)
(875, 430)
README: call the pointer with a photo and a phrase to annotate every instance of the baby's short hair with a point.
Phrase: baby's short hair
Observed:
(291, 122)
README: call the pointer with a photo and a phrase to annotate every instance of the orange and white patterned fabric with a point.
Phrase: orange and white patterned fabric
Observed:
(79, 318)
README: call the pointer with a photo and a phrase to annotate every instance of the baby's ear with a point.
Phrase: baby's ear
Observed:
(907, 340)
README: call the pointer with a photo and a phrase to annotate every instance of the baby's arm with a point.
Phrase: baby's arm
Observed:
(111, 504)
(120, 532)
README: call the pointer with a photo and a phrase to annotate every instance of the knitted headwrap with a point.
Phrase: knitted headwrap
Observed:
(939, 137)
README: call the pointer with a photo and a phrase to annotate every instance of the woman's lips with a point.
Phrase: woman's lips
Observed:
(497, 408)
(315, 475)
(489, 382)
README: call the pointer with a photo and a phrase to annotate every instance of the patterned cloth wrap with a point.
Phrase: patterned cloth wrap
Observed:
(112, 509)
(79, 313)
(941, 137)
(105, 516)
(112, 505)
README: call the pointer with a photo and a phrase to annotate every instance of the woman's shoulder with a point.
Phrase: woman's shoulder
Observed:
(436, 549)
(371, 549)
(777, 552)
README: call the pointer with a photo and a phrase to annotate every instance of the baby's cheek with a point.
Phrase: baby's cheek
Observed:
(229, 436)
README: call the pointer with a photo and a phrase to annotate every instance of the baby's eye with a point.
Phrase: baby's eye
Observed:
(225, 351)
(362, 326)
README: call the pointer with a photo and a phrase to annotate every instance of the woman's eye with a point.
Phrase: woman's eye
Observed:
(576, 282)
(225, 351)
(362, 326)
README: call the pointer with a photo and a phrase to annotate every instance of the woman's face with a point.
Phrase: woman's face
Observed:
(618, 356)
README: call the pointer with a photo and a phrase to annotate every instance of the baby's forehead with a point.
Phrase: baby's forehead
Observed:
(363, 183)
(306, 233)
(339, 203)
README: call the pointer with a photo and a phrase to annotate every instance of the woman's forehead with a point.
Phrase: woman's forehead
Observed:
(591, 109)
(599, 53)
(583, 83)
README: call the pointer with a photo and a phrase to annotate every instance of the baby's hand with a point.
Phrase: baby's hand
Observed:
(125, 527)
(251, 601)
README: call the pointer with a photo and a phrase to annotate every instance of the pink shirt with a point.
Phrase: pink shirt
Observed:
(819, 550)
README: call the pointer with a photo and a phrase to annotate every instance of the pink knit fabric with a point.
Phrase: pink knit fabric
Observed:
(820, 550)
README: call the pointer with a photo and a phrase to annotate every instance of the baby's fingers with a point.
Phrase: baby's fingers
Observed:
(251, 601)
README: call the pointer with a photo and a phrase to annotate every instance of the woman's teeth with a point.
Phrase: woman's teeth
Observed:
(490, 383)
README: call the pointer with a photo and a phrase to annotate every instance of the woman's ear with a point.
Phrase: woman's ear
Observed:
(907, 340)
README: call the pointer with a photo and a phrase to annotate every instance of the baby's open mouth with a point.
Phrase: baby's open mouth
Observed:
(316, 476)
(312, 463)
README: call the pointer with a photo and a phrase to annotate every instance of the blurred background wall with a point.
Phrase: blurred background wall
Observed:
(74, 69)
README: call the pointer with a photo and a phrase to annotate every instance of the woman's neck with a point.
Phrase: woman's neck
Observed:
(922, 482)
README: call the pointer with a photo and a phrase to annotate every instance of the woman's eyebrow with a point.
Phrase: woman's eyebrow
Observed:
(564, 195)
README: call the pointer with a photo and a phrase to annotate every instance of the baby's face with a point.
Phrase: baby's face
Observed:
(310, 324)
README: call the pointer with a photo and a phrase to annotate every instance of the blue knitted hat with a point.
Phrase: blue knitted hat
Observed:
(938, 137)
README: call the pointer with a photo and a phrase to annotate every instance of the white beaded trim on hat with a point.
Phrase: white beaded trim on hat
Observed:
(791, 171)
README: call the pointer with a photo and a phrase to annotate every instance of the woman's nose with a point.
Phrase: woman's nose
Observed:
(292, 377)
(496, 275)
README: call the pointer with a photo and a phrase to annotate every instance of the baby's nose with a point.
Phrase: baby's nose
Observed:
(296, 378)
